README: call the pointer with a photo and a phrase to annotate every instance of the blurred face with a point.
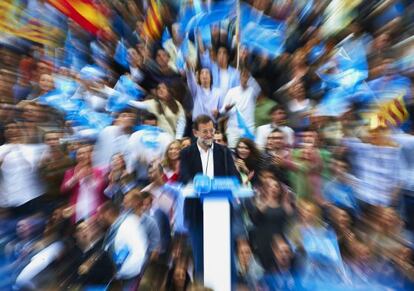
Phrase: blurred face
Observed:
(43, 68)
(308, 212)
(12, 131)
(117, 162)
(152, 122)
(244, 253)
(179, 276)
(134, 57)
(126, 119)
(128, 201)
(276, 140)
(297, 91)
(271, 188)
(282, 254)
(222, 57)
(278, 116)
(138, 27)
(162, 58)
(162, 92)
(244, 78)
(309, 137)
(205, 133)
(243, 150)
(205, 78)
(52, 139)
(23, 229)
(46, 83)
(154, 172)
(84, 155)
(174, 152)
(218, 138)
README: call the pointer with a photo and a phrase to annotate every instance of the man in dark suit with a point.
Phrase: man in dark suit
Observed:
(208, 158)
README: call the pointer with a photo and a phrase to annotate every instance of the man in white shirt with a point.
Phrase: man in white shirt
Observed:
(125, 241)
(240, 100)
(114, 139)
(19, 169)
(278, 118)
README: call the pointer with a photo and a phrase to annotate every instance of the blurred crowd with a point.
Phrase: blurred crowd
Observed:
(92, 133)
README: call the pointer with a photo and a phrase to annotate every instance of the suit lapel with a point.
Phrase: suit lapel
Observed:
(197, 165)
(218, 166)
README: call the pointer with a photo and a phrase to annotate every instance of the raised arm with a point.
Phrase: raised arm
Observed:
(181, 123)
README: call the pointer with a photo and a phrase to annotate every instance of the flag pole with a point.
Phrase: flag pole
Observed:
(238, 32)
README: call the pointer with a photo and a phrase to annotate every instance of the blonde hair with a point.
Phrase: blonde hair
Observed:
(167, 161)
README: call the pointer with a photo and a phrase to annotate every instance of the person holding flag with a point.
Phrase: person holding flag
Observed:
(238, 105)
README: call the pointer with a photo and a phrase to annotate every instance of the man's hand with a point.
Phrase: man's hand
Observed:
(228, 107)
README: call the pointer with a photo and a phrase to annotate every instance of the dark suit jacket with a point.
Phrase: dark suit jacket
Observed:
(190, 165)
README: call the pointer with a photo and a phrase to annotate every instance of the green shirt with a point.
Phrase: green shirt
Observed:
(261, 113)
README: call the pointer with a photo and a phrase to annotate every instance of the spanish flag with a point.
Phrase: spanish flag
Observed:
(87, 13)
(36, 30)
(153, 25)
(393, 112)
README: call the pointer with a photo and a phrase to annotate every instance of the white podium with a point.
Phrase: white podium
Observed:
(216, 195)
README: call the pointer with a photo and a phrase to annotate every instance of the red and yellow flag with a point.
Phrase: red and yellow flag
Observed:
(36, 30)
(87, 13)
(393, 112)
(153, 22)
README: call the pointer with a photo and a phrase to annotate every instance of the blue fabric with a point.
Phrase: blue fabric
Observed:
(246, 133)
(261, 33)
(340, 194)
(218, 11)
(121, 54)
(349, 64)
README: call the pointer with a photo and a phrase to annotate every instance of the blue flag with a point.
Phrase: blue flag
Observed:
(125, 91)
(218, 11)
(121, 54)
(246, 133)
(347, 68)
(260, 33)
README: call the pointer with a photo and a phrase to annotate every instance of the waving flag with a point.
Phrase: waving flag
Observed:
(245, 131)
(153, 24)
(347, 68)
(16, 22)
(393, 112)
(126, 90)
(261, 33)
(219, 11)
(87, 13)
(121, 54)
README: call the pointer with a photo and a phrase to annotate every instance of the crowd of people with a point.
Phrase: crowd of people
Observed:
(100, 203)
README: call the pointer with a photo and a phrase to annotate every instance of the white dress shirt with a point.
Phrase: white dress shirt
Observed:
(263, 132)
(131, 236)
(207, 161)
(111, 140)
(244, 101)
(20, 181)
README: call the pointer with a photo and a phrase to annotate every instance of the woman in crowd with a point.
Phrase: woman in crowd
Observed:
(206, 98)
(85, 185)
(172, 161)
(169, 112)
(269, 211)
(248, 161)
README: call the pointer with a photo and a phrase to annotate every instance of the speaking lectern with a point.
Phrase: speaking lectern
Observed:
(216, 195)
